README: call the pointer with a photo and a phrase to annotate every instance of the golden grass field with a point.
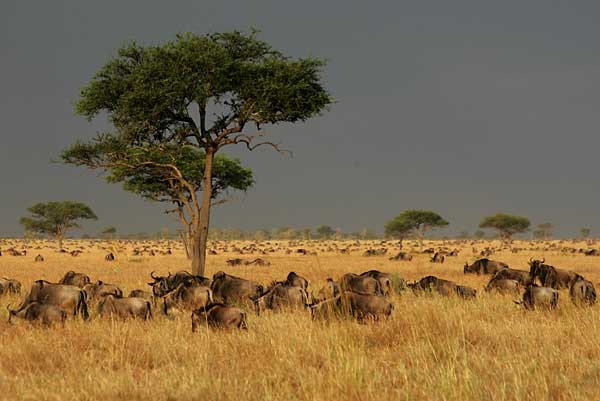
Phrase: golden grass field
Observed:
(433, 348)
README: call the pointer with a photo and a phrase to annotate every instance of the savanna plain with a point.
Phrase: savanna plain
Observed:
(432, 347)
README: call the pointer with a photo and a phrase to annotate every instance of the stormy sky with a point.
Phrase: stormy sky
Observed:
(464, 107)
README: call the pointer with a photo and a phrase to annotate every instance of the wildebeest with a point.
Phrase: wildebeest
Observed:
(437, 258)
(147, 295)
(162, 285)
(539, 297)
(10, 285)
(484, 266)
(522, 276)
(442, 287)
(110, 257)
(583, 293)
(295, 280)
(375, 252)
(234, 262)
(385, 280)
(76, 279)
(503, 286)
(137, 308)
(101, 289)
(45, 314)
(330, 290)
(349, 303)
(187, 297)
(39, 258)
(281, 296)
(257, 262)
(72, 299)
(550, 276)
(360, 284)
(228, 288)
(219, 315)
(402, 256)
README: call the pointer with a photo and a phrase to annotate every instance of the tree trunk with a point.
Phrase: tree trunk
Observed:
(201, 225)
(59, 238)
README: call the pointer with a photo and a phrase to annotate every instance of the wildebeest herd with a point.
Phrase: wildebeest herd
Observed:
(224, 300)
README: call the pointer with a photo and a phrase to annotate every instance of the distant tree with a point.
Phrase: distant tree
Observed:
(56, 218)
(306, 233)
(325, 232)
(585, 232)
(543, 231)
(506, 225)
(367, 234)
(108, 232)
(207, 92)
(413, 222)
(262, 235)
(479, 234)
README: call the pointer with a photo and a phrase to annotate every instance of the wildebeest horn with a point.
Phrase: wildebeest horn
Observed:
(153, 276)
(530, 260)
(543, 260)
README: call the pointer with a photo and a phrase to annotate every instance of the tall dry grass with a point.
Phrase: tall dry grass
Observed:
(432, 349)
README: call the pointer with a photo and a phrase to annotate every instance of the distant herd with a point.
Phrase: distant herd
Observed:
(223, 300)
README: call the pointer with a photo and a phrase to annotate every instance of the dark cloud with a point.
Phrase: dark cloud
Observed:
(465, 107)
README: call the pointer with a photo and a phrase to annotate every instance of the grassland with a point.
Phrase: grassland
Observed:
(433, 348)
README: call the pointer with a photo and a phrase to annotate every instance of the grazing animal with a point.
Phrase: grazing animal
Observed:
(402, 256)
(136, 308)
(504, 286)
(442, 287)
(76, 279)
(484, 266)
(162, 285)
(147, 295)
(228, 288)
(281, 296)
(539, 297)
(72, 299)
(11, 286)
(295, 280)
(110, 257)
(234, 262)
(522, 276)
(348, 303)
(39, 258)
(219, 315)
(550, 276)
(583, 293)
(330, 290)
(384, 279)
(187, 297)
(35, 311)
(101, 289)
(360, 284)
(437, 258)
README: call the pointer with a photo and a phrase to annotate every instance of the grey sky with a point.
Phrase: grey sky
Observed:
(464, 107)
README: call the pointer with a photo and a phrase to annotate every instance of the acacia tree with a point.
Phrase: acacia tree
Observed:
(506, 225)
(325, 231)
(413, 222)
(56, 218)
(163, 173)
(205, 92)
(584, 232)
(543, 231)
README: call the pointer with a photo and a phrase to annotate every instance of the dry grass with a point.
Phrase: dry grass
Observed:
(432, 349)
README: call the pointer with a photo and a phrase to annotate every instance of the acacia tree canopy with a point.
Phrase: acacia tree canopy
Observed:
(507, 225)
(414, 221)
(56, 218)
(207, 92)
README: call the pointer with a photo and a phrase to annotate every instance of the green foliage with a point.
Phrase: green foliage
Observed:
(507, 225)
(148, 92)
(109, 231)
(412, 222)
(163, 173)
(325, 232)
(585, 232)
(56, 218)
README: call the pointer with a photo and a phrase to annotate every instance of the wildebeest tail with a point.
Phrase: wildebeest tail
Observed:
(82, 306)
